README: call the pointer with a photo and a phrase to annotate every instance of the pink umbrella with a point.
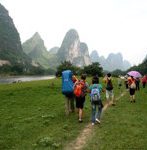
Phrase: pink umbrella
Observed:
(135, 74)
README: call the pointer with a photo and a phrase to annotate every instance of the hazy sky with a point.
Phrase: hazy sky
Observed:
(104, 25)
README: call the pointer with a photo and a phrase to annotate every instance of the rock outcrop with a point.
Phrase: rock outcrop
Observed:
(73, 50)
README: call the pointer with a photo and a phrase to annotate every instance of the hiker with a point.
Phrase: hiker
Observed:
(119, 82)
(144, 81)
(126, 82)
(68, 80)
(80, 89)
(96, 103)
(109, 89)
(132, 88)
(137, 82)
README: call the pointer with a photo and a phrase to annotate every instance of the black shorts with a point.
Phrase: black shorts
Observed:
(132, 91)
(80, 102)
(70, 96)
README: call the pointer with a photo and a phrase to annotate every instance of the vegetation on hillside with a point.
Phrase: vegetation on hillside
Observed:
(142, 68)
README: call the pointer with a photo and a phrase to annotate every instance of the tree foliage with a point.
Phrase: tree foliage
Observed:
(93, 69)
(142, 68)
(66, 65)
(117, 72)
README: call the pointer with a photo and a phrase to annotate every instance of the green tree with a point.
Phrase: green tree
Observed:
(67, 65)
(93, 69)
(117, 72)
(142, 68)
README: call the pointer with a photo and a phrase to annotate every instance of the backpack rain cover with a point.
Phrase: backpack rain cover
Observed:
(67, 83)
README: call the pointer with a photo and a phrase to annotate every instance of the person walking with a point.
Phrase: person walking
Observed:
(132, 88)
(95, 98)
(119, 82)
(80, 90)
(126, 82)
(68, 80)
(109, 89)
(144, 81)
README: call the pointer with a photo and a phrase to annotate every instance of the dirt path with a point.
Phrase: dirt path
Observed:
(86, 133)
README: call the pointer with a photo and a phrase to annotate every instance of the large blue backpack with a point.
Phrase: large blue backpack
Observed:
(67, 83)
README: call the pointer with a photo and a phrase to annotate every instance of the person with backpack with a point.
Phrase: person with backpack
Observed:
(95, 99)
(132, 88)
(68, 80)
(109, 89)
(144, 81)
(80, 89)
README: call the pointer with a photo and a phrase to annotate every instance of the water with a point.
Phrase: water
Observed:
(15, 79)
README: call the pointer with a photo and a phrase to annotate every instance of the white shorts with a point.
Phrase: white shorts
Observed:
(109, 94)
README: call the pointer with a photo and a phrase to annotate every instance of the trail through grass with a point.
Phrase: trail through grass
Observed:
(86, 134)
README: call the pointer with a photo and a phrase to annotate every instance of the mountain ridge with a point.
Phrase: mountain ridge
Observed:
(112, 62)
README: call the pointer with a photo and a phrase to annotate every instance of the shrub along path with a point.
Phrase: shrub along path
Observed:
(87, 133)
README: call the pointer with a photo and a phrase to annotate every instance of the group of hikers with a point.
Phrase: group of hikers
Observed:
(76, 90)
(133, 84)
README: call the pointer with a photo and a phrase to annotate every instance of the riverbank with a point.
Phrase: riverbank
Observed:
(15, 79)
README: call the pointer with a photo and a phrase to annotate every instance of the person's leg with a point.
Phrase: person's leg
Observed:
(80, 114)
(98, 114)
(139, 86)
(143, 84)
(112, 98)
(81, 105)
(78, 108)
(93, 112)
(72, 107)
(107, 97)
(67, 101)
(131, 97)
(77, 105)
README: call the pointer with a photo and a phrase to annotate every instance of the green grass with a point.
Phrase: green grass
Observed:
(123, 126)
(32, 117)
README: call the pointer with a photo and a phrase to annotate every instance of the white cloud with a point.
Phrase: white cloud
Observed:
(106, 26)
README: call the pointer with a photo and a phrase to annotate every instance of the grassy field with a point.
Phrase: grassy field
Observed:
(32, 116)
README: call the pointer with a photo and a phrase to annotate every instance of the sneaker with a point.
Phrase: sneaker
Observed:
(98, 121)
(80, 120)
(92, 124)
(113, 104)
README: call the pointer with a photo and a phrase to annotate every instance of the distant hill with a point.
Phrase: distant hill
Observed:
(33, 52)
(53, 50)
(73, 50)
(35, 48)
(10, 44)
(12, 58)
(112, 62)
